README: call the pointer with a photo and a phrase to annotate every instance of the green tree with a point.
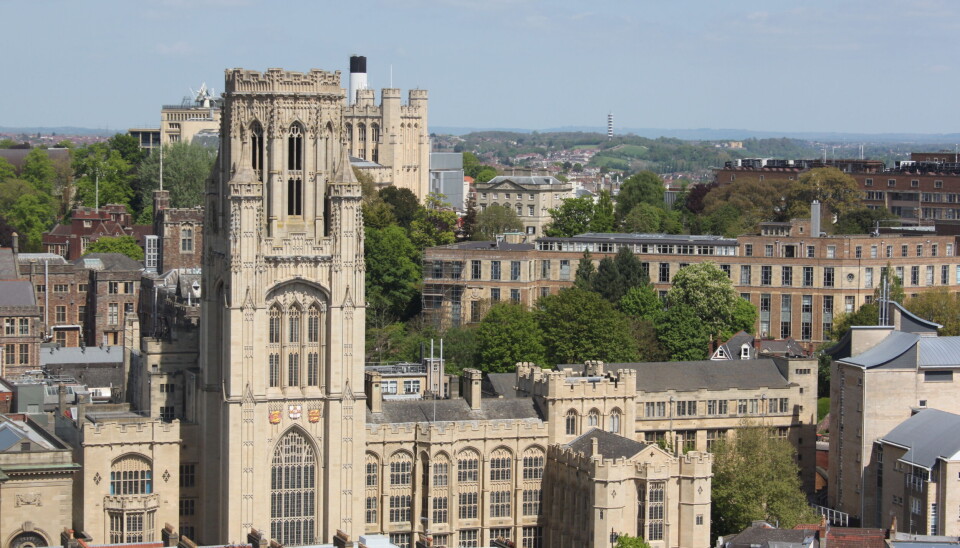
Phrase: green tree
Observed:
(6, 170)
(682, 333)
(128, 147)
(642, 187)
(644, 219)
(571, 218)
(861, 220)
(432, 225)
(404, 202)
(615, 276)
(32, 213)
(586, 272)
(603, 219)
(496, 219)
(736, 208)
(626, 541)
(126, 245)
(378, 214)
(941, 306)
(867, 314)
(641, 302)
(838, 192)
(708, 292)
(580, 325)
(468, 223)
(186, 167)
(98, 166)
(755, 478)
(38, 171)
(508, 334)
(460, 348)
(392, 273)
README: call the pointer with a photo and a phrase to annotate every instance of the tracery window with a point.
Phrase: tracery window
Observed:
(131, 475)
(401, 467)
(571, 422)
(468, 466)
(593, 418)
(275, 314)
(295, 344)
(533, 464)
(500, 465)
(293, 491)
(615, 421)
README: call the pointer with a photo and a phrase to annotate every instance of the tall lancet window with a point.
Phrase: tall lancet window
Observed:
(293, 491)
(295, 169)
(256, 149)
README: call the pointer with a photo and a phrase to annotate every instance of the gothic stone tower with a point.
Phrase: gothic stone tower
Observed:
(281, 359)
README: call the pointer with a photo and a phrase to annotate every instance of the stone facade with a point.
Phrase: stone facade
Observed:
(880, 375)
(36, 484)
(179, 232)
(530, 196)
(392, 134)
(283, 290)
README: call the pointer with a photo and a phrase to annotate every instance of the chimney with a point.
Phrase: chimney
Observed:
(471, 387)
(257, 539)
(815, 219)
(595, 448)
(374, 390)
(358, 77)
(169, 536)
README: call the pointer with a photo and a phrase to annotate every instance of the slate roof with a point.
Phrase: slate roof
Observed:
(17, 293)
(765, 536)
(525, 180)
(8, 266)
(931, 351)
(731, 348)
(892, 346)
(111, 261)
(611, 446)
(81, 355)
(454, 410)
(490, 245)
(502, 384)
(705, 374)
(929, 435)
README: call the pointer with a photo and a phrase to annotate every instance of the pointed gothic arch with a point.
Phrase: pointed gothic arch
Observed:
(256, 148)
(293, 489)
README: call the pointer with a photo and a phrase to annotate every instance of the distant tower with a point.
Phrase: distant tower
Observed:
(610, 126)
(358, 77)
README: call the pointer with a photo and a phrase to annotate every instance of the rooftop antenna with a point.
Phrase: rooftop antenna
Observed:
(161, 168)
(391, 76)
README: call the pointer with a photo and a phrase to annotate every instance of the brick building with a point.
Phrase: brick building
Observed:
(113, 294)
(87, 225)
(926, 188)
(179, 235)
(797, 281)
(20, 330)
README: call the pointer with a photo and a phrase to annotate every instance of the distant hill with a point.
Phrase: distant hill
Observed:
(66, 130)
(709, 134)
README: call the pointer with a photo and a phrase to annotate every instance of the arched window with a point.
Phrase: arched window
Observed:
(501, 465)
(274, 370)
(372, 498)
(256, 149)
(293, 491)
(293, 369)
(468, 467)
(313, 324)
(28, 539)
(275, 314)
(533, 461)
(131, 475)
(295, 165)
(571, 422)
(615, 421)
(401, 469)
(372, 471)
(295, 148)
(313, 369)
(375, 133)
(293, 320)
(362, 133)
(593, 419)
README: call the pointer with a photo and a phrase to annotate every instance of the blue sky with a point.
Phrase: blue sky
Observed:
(867, 66)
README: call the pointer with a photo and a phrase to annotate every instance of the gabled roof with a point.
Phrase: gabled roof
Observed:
(109, 261)
(17, 293)
(929, 435)
(730, 350)
(610, 446)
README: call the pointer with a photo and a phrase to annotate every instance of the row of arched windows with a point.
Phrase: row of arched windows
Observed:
(593, 420)
(500, 467)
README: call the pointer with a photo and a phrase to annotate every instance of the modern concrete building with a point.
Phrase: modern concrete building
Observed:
(446, 177)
